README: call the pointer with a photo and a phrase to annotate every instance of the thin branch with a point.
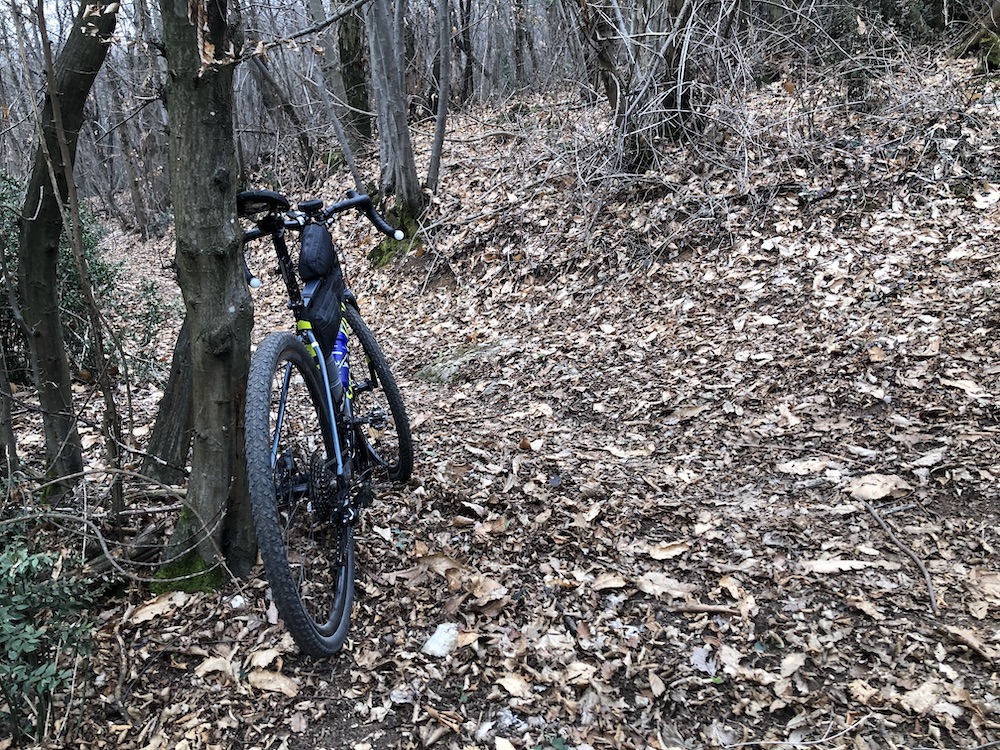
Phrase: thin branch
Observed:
(910, 553)
(308, 31)
(807, 743)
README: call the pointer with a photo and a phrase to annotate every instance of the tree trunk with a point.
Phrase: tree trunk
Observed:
(444, 89)
(218, 304)
(350, 36)
(600, 34)
(399, 174)
(520, 42)
(467, 89)
(170, 443)
(330, 84)
(112, 424)
(41, 225)
(129, 156)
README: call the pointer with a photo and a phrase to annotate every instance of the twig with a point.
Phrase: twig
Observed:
(720, 609)
(910, 553)
(806, 743)
(310, 30)
(122, 673)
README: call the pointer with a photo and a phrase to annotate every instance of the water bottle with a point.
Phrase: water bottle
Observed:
(336, 365)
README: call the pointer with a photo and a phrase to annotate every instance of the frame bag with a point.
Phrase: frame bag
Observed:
(323, 280)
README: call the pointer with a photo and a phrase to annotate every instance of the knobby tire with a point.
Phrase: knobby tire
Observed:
(375, 393)
(309, 557)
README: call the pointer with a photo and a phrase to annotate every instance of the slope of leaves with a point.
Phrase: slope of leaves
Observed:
(705, 459)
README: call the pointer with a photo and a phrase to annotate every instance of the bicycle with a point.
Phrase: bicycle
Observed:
(319, 432)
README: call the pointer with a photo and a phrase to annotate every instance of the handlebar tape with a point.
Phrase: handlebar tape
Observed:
(364, 204)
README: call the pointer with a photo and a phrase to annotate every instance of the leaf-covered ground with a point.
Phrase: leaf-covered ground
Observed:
(707, 458)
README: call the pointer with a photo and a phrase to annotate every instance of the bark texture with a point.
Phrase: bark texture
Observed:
(170, 443)
(219, 309)
(399, 170)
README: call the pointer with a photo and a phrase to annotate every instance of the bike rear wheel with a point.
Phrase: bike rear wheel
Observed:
(376, 404)
(305, 541)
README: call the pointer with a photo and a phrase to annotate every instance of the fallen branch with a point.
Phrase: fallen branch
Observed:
(142, 549)
(718, 609)
(910, 553)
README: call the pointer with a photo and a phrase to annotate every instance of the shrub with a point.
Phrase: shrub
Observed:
(104, 275)
(143, 308)
(42, 632)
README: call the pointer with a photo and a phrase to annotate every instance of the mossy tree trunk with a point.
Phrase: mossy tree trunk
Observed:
(217, 526)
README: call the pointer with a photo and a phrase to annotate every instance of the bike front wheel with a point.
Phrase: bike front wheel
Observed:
(306, 543)
(376, 404)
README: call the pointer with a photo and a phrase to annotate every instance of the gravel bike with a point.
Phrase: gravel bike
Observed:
(325, 422)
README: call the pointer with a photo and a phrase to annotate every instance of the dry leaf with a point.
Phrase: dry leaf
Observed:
(485, 589)
(657, 584)
(609, 580)
(972, 639)
(159, 607)
(666, 550)
(273, 682)
(986, 583)
(971, 387)
(923, 698)
(862, 692)
(835, 565)
(656, 685)
(804, 466)
(791, 664)
(877, 486)
(579, 673)
(264, 657)
(214, 664)
(515, 684)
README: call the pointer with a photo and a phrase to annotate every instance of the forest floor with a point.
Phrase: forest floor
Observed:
(706, 459)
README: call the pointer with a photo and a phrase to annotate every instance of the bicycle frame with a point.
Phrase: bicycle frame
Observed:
(303, 327)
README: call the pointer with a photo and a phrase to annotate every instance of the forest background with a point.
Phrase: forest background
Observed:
(618, 208)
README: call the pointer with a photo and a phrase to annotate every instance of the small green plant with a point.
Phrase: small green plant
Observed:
(43, 630)
(556, 743)
(989, 52)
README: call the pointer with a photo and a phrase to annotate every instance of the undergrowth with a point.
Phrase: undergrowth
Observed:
(146, 313)
(44, 631)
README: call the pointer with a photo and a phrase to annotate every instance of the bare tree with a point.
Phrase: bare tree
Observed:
(399, 169)
(8, 438)
(74, 71)
(443, 91)
(217, 526)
